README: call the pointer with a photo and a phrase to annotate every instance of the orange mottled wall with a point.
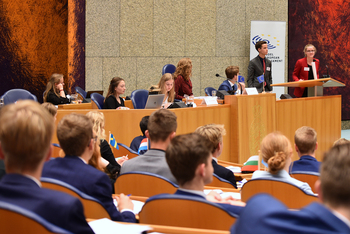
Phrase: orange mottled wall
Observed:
(34, 43)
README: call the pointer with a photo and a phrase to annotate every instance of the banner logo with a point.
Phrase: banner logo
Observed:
(269, 44)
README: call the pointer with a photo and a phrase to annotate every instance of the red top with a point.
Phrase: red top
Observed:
(301, 71)
(182, 87)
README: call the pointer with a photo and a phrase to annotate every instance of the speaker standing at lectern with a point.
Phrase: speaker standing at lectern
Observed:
(303, 69)
(258, 66)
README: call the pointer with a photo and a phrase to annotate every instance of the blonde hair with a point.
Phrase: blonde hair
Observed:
(212, 132)
(98, 121)
(54, 79)
(183, 68)
(50, 108)
(305, 139)
(309, 45)
(341, 141)
(275, 150)
(26, 131)
(171, 94)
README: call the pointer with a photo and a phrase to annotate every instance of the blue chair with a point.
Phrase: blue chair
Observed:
(98, 100)
(14, 95)
(80, 91)
(220, 182)
(139, 98)
(168, 68)
(93, 209)
(208, 90)
(185, 211)
(241, 78)
(15, 219)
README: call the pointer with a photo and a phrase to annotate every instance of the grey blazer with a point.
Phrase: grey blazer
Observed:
(152, 161)
(256, 69)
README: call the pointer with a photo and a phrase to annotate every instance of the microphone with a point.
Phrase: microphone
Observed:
(217, 75)
(327, 71)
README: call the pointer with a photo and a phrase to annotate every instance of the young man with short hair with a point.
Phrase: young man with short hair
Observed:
(231, 85)
(264, 214)
(75, 135)
(305, 139)
(161, 129)
(214, 134)
(135, 143)
(260, 65)
(25, 134)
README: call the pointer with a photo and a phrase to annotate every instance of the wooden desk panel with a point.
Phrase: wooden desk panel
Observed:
(75, 106)
(124, 124)
(321, 113)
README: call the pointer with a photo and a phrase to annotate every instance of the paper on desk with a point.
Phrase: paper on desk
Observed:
(137, 205)
(107, 226)
(234, 169)
(223, 194)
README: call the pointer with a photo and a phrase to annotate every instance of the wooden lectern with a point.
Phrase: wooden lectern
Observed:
(318, 85)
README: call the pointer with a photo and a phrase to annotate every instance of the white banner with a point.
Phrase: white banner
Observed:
(274, 33)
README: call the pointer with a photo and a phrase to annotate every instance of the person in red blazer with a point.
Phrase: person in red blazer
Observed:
(303, 69)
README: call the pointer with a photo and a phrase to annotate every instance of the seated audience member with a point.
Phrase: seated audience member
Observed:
(341, 141)
(276, 150)
(182, 76)
(75, 135)
(264, 214)
(25, 133)
(135, 143)
(305, 139)
(98, 121)
(231, 85)
(189, 158)
(51, 108)
(214, 134)
(161, 129)
(54, 92)
(115, 89)
(166, 87)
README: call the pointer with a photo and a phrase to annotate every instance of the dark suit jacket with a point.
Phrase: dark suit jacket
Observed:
(57, 208)
(256, 69)
(264, 214)
(227, 86)
(224, 173)
(87, 179)
(305, 163)
(300, 73)
(236, 210)
(135, 144)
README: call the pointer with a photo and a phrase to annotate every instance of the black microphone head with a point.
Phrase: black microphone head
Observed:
(314, 60)
(217, 75)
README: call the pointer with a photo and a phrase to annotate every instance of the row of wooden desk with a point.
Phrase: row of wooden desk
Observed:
(247, 119)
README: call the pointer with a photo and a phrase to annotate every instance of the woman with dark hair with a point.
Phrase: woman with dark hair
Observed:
(182, 75)
(54, 92)
(277, 152)
(113, 99)
(303, 69)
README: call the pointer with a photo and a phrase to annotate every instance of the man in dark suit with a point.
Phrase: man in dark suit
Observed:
(264, 214)
(214, 134)
(231, 85)
(189, 158)
(161, 129)
(305, 139)
(76, 138)
(258, 66)
(25, 134)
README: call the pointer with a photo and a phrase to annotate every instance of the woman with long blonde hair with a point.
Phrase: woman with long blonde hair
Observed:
(182, 76)
(277, 152)
(54, 92)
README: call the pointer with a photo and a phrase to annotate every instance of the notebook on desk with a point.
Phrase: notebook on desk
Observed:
(154, 101)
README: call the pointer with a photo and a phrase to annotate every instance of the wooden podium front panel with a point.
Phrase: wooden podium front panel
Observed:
(124, 124)
(321, 113)
(253, 117)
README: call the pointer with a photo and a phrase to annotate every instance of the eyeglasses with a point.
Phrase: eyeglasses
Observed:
(95, 138)
(310, 51)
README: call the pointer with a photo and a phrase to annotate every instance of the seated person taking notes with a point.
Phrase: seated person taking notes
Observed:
(166, 87)
(76, 138)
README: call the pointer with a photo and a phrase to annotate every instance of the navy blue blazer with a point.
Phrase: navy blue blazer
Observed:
(227, 86)
(265, 214)
(135, 144)
(236, 210)
(305, 163)
(224, 173)
(55, 207)
(87, 179)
